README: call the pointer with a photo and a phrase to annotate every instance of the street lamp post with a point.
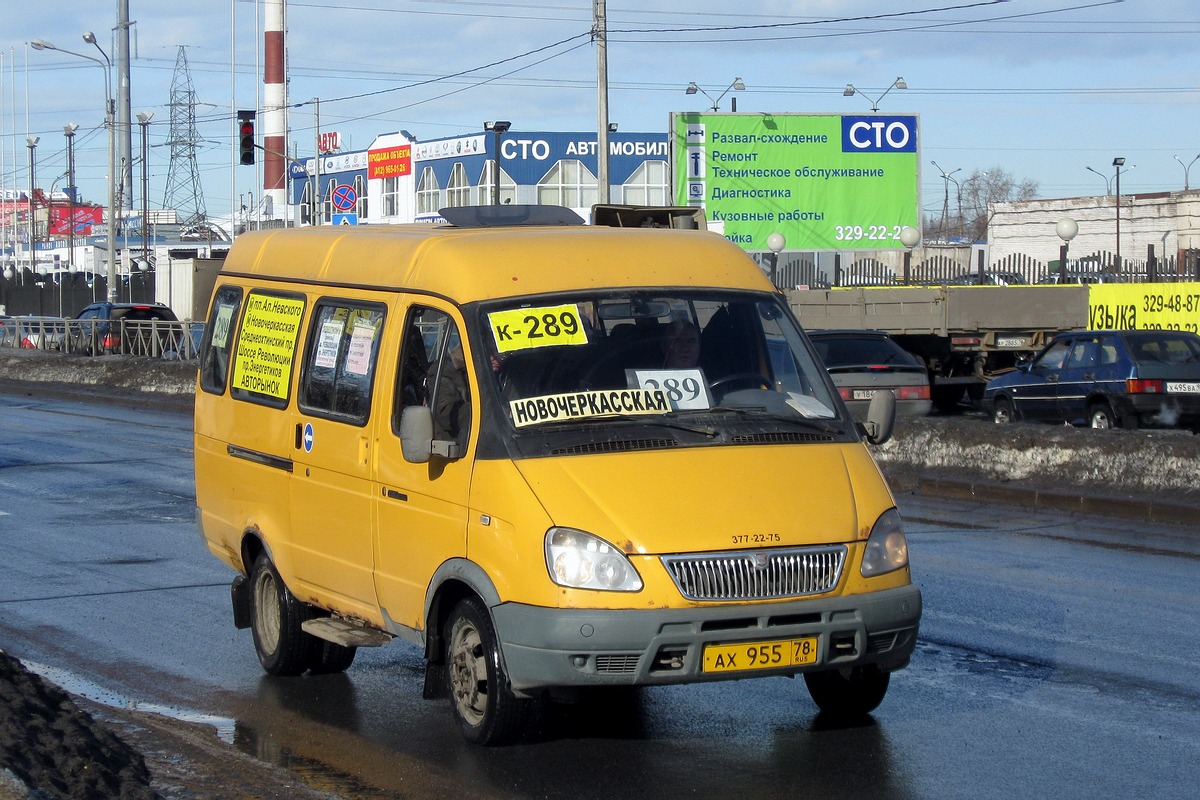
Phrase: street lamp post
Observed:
(775, 243)
(69, 132)
(31, 142)
(109, 113)
(850, 91)
(947, 177)
(736, 86)
(1118, 162)
(1107, 180)
(909, 237)
(144, 118)
(1186, 167)
(498, 128)
(1066, 230)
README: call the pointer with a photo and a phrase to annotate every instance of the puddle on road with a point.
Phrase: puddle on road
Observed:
(313, 772)
(70, 682)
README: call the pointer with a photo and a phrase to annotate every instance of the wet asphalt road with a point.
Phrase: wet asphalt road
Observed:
(1057, 654)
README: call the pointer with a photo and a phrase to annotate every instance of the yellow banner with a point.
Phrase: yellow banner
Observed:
(267, 345)
(1145, 306)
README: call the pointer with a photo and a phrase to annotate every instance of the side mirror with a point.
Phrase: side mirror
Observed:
(881, 417)
(416, 434)
(416, 437)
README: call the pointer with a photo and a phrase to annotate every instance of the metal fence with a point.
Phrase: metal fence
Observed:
(938, 269)
(178, 341)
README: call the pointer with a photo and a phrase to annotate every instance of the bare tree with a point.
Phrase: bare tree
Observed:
(983, 187)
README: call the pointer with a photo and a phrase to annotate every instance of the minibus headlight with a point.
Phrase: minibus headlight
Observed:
(887, 549)
(580, 560)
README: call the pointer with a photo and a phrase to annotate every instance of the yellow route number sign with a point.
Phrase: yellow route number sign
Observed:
(526, 328)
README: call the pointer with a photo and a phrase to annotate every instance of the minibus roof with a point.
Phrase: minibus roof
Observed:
(466, 264)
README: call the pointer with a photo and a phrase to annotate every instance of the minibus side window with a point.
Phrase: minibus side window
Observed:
(266, 348)
(433, 373)
(218, 339)
(339, 364)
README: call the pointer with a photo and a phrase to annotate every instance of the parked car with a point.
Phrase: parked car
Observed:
(864, 362)
(990, 278)
(1104, 379)
(1075, 276)
(38, 333)
(144, 329)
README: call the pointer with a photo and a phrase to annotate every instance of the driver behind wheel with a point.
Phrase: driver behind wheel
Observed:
(681, 346)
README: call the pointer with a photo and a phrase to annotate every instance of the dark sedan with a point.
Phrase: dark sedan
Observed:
(1105, 379)
(862, 363)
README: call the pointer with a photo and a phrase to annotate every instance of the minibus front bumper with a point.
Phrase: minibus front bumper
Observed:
(572, 647)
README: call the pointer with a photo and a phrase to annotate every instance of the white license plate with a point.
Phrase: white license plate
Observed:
(1011, 341)
(1181, 387)
(863, 394)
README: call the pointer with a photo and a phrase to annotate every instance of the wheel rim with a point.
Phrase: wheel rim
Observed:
(1002, 414)
(266, 611)
(468, 673)
(1100, 419)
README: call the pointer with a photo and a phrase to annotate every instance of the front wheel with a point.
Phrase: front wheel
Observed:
(486, 710)
(848, 692)
(1100, 415)
(1002, 411)
(283, 647)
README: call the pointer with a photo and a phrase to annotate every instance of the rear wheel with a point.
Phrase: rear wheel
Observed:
(485, 708)
(283, 647)
(848, 692)
(1002, 411)
(1100, 415)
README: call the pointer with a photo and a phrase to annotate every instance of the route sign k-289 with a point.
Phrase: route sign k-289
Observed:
(825, 181)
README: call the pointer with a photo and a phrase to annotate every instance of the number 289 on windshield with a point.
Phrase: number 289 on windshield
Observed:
(526, 328)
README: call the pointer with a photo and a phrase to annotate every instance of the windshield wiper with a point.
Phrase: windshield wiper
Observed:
(759, 412)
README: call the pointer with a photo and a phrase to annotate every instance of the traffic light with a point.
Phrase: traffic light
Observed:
(246, 137)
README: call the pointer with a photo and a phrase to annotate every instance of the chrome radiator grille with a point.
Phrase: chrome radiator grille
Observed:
(759, 575)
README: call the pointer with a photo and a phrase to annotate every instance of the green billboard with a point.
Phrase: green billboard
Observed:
(824, 181)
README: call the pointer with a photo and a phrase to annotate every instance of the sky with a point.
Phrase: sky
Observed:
(1042, 89)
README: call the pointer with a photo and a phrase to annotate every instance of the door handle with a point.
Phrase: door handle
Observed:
(1089, 376)
(392, 494)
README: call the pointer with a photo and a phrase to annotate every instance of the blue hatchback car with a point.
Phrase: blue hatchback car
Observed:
(1105, 379)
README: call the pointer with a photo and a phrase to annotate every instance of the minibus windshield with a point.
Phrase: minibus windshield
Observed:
(649, 355)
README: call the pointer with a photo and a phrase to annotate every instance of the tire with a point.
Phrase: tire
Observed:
(486, 710)
(1002, 411)
(849, 692)
(275, 620)
(1100, 415)
(330, 657)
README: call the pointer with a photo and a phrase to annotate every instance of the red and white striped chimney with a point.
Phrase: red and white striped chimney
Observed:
(274, 114)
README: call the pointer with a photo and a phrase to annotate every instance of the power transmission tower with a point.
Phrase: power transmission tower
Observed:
(184, 192)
